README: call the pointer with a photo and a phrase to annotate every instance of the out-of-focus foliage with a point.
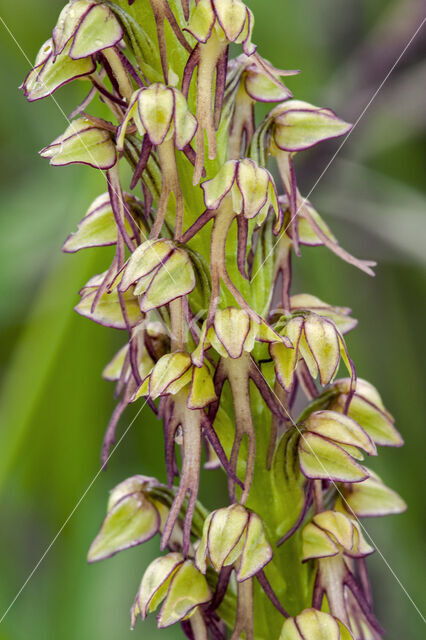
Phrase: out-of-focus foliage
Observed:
(54, 405)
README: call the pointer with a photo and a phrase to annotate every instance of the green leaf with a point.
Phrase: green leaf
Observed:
(130, 522)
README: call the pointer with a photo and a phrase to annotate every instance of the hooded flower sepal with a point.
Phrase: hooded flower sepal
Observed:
(82, 142)
(329, 447)
(340, 316)
(214, 24)
(243, 191)
(87, 27)
(162, 118)
(111, 309)
(298, 125)
(98, 228)
(234, 538)
(312, 624)
(317, 341)
(291, 127)
(336, 542)
(50, 72)
(364, 404)
(370, 498)
(249, 80)
(133, 517)
(331, 534)
(160, 272)
(232, 333)
(176, 583)
(173, 373)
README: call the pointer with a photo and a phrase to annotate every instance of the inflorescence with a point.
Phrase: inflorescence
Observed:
(218, 344)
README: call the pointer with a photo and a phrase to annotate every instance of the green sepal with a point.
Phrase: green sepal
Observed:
(84, 143)
(312, 624)
(188, 589)
(131, 521)
(322, 459)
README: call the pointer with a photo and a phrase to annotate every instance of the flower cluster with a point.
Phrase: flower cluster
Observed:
(216, 341)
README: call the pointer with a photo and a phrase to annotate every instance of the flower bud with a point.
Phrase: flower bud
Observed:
(329, 445)
(160, 112)
(106, 309)
(132, 518)
(98, 228)
(331, 533)
(91, 26)
(172, 373)
(230, 19)
(312, 624)
(234, 535)
(261, 81)
(160, 271)
(84, 143)
(317, 341)
(177, 583)
(366, 407)
(233, 332)
(251, 187)
(299, 125)
(340, 316)
(369, 498)
(53, 72)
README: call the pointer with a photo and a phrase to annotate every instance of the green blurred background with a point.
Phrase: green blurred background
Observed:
(54, 404)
